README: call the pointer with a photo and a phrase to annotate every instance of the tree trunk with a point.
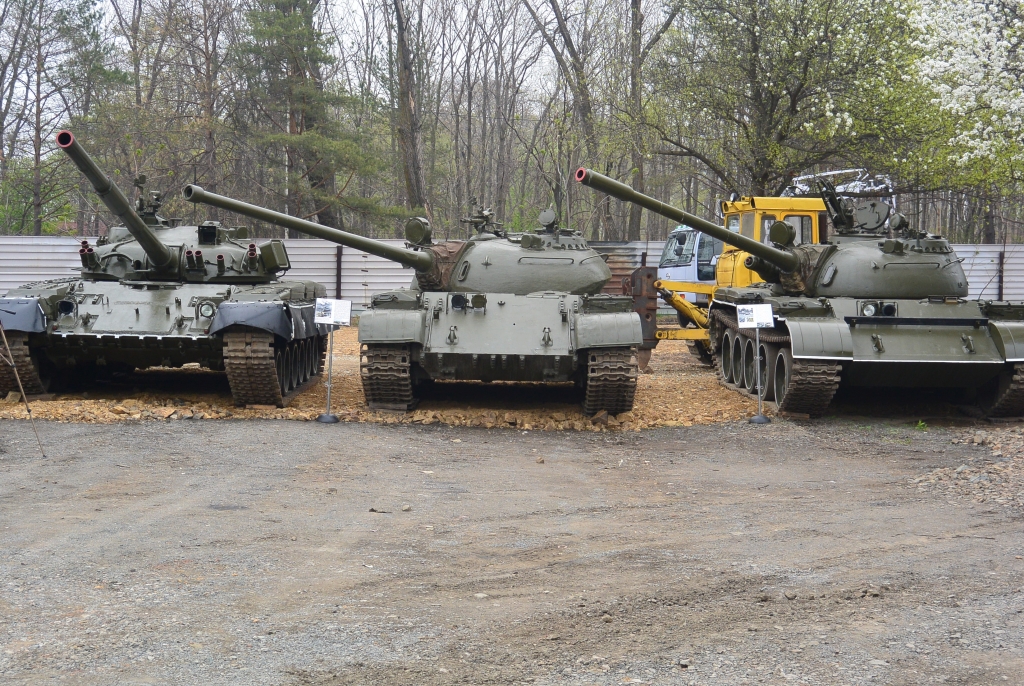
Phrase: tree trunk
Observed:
(408, 116)
(37, 133)
(636, 106)
(989, 228)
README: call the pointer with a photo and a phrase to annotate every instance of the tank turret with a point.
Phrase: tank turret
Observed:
(860, 261)
(148, 247)
(158, 254)
(551, 259)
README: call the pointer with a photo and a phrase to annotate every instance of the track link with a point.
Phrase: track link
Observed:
(1010, 402)
(611, 380)
(386, 373)
(251, 368)
(811, 387)
(27, 369)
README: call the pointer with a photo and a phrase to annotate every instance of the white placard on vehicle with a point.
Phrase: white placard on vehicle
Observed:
(336, 312)
(754, 316)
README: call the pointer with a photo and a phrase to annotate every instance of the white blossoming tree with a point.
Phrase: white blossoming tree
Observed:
(973, 60)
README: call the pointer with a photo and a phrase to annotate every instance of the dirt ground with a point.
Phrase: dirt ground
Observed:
(677, 392)
(847, 550)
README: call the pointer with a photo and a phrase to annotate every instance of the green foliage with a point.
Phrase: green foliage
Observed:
(779, 86)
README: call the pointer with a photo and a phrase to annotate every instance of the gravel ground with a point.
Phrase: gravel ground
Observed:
(994, 476)
(278, 552)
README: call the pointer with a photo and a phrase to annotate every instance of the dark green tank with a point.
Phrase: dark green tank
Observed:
(498, 307)
(872, 307)
(153, 292)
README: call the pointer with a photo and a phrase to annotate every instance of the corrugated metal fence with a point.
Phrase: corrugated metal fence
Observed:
(993, 271)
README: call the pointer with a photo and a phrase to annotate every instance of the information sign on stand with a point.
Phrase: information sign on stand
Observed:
(336, 312)
(756, 317)
(333, 313)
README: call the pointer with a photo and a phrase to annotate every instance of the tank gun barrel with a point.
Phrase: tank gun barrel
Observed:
(159, 254)
(783, 260)
(420, 261)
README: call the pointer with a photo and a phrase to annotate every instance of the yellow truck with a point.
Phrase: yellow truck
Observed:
(749, 216)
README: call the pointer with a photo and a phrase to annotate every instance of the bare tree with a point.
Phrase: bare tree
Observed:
(408, 114)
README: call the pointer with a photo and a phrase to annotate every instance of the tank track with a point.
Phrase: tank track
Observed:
(812, 384)
(386, 373)
(611, 380)
(251, 369)
(250, 360)
(811, 387)
(1010, 402)
(27, 370)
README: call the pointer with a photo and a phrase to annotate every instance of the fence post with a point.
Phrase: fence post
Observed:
(337, 271)
(1002, 257)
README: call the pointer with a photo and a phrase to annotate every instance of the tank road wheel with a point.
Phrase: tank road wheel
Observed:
(289, 366)
(301, 362)
(321, 353)
(725, 357)
(766, 361)
(611, 380)
(33, 373)
(749, 368)
(1005, 394)
(738, 342)
(386, 372)
(804, 387)
(296, 366)
(312, 344)
(253, 368)
(282, 378)
(783, 370)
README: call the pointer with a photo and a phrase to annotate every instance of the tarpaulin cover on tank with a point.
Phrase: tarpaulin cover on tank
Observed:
(266, 316)
(22, 314)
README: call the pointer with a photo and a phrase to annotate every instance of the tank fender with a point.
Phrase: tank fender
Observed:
(392, 326)
(608, 330)
(22, 314)
(267, 316)
(821, 338)
(303, 322)
(1009, 339)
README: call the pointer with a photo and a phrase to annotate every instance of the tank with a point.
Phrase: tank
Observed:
(878, 305)
(154, 292)
(499, 306)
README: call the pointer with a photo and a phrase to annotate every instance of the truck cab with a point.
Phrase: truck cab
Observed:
(690, 256)
(753, 216)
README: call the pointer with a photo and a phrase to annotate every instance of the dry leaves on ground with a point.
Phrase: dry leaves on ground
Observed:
(677, 392)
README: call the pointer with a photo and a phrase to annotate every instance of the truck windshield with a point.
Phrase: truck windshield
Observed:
(679, 248)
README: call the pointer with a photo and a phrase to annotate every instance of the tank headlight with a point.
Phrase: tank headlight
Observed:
(869, 310)
(206, 310)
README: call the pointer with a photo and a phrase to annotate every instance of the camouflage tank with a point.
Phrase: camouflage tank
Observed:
(874, 307)
(156, 293)
(498, 307)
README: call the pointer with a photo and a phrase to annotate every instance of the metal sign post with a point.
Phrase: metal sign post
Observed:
(327, 417)
(334, 313)
(756, 317)
(7, 357)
